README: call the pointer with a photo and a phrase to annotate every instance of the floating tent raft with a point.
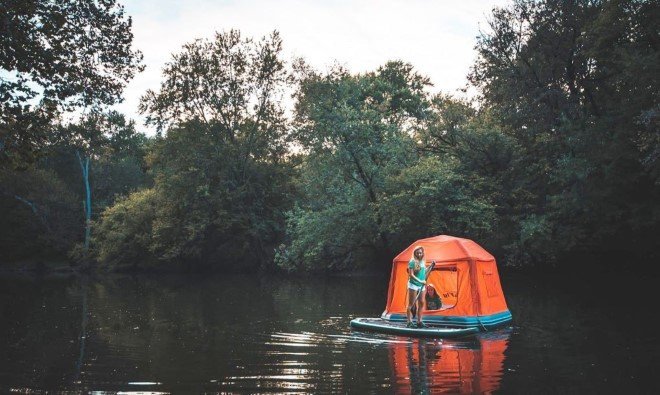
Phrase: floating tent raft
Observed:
(466, 278)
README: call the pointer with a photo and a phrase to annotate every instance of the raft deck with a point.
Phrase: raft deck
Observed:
(399, 328)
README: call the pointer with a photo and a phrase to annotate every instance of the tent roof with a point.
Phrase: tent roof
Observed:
(446, 248)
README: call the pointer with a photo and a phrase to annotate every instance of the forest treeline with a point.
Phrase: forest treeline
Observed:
(556, 160)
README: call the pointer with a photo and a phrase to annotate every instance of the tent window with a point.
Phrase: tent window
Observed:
(445, 281)
(491, 284)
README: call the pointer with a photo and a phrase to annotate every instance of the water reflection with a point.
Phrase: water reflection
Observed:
(459, 366)
(247, 334)
(193, 335)
(83, 330)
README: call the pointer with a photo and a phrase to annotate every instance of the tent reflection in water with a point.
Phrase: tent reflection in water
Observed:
(455, 366)
(465, 276)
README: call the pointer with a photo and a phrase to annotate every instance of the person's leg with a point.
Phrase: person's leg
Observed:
(411, 299)
(420, 309)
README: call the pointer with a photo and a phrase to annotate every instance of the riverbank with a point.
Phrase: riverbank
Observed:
(59, 265)
(579, 267)
(39, 266)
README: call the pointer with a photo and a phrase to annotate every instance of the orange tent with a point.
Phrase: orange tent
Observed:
(466, 278)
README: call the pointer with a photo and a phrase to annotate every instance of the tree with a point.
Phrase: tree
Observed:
(123, 237)
(54, 57)
(41, 204)
(221, 179)
(101, 137)
(230, 86)
(356, 131)
(444, 124)
(477, 179)
(38, 213)
(572, 83)
(435, 196)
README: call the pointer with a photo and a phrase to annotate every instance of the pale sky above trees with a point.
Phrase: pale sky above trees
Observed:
(436, 36)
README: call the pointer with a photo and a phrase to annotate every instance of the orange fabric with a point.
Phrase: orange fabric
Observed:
(423, 366)
(446, 248)
(465, 276)
(445, 283)
(491, 296)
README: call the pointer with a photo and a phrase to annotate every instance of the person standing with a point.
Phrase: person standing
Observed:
(416, 281)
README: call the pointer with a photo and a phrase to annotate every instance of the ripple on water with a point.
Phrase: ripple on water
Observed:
(291, 368)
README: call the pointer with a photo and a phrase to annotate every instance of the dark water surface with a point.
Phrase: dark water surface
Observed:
(240, 334)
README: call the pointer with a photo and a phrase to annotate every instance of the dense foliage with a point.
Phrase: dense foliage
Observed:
(576, 86)
(46, 204)
(221, 179)
(365, 190)
(555, 162)
(57, 56)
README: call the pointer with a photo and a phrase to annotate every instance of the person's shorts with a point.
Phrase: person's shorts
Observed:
(414, 287)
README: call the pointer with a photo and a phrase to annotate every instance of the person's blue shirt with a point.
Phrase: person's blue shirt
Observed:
(420, 274)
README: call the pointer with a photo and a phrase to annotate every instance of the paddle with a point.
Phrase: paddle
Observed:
(421, 290)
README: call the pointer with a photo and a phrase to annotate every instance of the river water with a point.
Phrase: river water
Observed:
(262, 334)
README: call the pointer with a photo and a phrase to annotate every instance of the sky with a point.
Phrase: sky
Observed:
(436, 36)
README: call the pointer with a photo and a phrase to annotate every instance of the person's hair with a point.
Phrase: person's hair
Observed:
(418, 262)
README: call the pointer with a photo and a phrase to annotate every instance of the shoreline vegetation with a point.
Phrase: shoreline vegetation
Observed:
(40, 268)
(66, 267)
(554, 164)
